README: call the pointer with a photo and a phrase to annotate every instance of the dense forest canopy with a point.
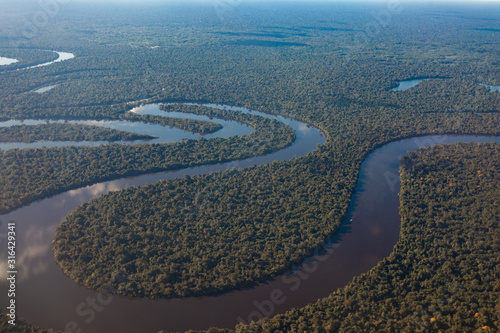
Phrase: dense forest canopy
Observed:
(443, 274)
(331, 65)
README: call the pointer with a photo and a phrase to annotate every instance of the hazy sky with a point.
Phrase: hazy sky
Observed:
(21, 5)
(14, 2)
(266, 1)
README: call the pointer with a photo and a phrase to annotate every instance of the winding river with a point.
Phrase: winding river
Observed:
(62, 56)
(46, 297)
(40, 281)
(163, 134)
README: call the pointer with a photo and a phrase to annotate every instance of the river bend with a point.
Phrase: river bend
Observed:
(367, 236)
(41, 281)
(46, 297)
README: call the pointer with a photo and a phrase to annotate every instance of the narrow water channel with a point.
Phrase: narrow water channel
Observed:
(46, 297)
(163, 134)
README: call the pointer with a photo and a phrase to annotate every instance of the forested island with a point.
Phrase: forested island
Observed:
(31, 174)
(443, 273)
(219, 232)
(65, 132)
(191, 125)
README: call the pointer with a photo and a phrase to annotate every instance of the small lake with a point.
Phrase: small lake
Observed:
(492, 88)
(7, 61)
(45, 89)
(407, 84)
